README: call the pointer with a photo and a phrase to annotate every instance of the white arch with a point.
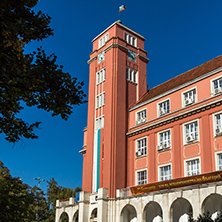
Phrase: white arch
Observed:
(75, 216)
(128, 214)
(180, 210)
(212, 204)
(62, 215)
(152, 212)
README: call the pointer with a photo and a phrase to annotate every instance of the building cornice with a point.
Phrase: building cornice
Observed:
(83, 151)
(143, 58)
(176, 117)
(92, 60)
(176, 89)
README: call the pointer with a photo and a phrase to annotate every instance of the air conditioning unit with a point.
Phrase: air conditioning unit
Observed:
(138, 153)
(188, 101)
(143, 120)
(217, 90)
(218, 131)
(166, 145)
(190, 138)
(162, 111)
(138, 121)
(159, 147)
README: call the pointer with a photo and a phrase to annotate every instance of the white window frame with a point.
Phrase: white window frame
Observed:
(159, 172)
(100, 76)
(100, 100)
(193, 138)
(186, 166)
(141, 120)
(145, 180)
(160, 109)
(99, 122)
(161, 146)
(143, 149)
(217, 128)
(130, 39)
(190, 100)
(131, 75)
(213, 92)
(103, 40)
(217, 160)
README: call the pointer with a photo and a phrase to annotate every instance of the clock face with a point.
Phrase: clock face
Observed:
(101, 57)
(132, 55)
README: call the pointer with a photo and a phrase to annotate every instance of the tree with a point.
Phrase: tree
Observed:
(55, 192)
(34, 79)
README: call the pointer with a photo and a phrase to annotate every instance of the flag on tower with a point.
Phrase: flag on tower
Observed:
(122, 7)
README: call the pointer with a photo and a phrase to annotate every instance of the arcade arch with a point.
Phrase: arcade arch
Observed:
(64, 217)
(180, 210)
(128, 214)
(93, 217)
(152, 212)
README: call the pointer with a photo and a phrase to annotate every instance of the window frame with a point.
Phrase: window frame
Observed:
(101, 123)
(212, 86)
(134, 77)
(101, 72)
(100, 100)
(186, 166)
(195, 97)
(142, 120)
(217, 154)
(159, 109)
(215, 125)
(138, 171)
(184, 132)
(136, 147)
(159, 149)
(129, 39)
(159, 171)
(102, 41)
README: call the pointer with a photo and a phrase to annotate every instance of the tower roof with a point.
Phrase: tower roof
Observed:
(120, 24)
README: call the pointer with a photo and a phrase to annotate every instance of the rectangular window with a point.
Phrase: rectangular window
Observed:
(100, 100)
(218, 124)
(130, 39)
(141, 147)
(100, 123)
(103, 40)
(193, 167)
(131, 75)
(219, 161)
(142, 177)
(164, 107)
(141, 116)
(217, 86)
(165, 173)
(189, 97)
(164, 140)
(100, 76)
(191, 132)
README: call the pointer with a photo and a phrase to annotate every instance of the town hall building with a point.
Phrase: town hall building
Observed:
(149, 155)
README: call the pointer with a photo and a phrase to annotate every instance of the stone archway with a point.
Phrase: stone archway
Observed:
(128, 214)
(93, 217)
(64, 217)
(180, 210)
(212, 204)
(152, 212)
(76, 216)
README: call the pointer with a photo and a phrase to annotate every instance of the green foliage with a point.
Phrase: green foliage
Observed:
(33, 78)
(206, 217)
(20, 202)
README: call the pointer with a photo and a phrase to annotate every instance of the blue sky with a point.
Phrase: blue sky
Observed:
(180, 35)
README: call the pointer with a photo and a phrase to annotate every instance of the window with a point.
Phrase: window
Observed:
(141, 116)
(103, 40)
(219, 161)
(131, 75)
(141, 177)
(100, 123)
(165, 173)
(164, 107)
(141, 147)
(100, 76)
(164, 140)
(189, 97)
(130, 39)
(217, 86)
(218, 124)
(191, 132)
(100, 100)
(193, 167)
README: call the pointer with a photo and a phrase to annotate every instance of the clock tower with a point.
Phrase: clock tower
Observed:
(117, 81)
